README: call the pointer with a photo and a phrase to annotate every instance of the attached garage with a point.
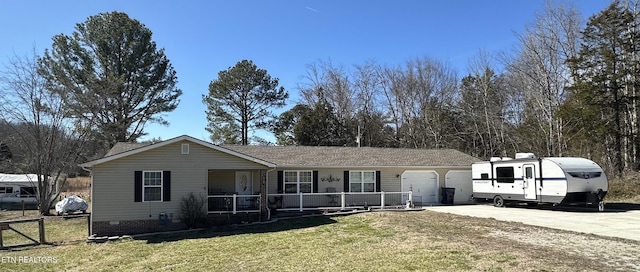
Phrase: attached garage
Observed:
(461, 181)
(423, 184)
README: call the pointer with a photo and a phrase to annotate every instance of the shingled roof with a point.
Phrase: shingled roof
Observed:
(327, 156)
(317, 156)
(121, 147)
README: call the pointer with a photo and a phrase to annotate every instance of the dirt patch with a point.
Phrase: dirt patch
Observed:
(516, 246)
(619, 254)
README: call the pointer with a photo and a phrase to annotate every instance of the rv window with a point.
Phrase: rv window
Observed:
(27, 191)
(528, 172)
(6, 190)
(504, 174)
(484, 176)
(585, 175)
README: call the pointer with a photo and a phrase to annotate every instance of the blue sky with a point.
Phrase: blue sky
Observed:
(202, 38)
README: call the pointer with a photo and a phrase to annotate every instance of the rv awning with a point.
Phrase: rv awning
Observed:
(18, 178)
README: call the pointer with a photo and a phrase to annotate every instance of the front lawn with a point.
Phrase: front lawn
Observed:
(375, 241)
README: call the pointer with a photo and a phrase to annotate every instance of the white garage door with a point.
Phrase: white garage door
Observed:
(424, 185)
(461, 180)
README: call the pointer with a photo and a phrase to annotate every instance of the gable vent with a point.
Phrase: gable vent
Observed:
(185, 149)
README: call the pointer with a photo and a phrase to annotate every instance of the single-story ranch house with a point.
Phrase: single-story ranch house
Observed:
(138, 187)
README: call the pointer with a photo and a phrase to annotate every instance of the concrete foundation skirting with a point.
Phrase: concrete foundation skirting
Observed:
(109, 228)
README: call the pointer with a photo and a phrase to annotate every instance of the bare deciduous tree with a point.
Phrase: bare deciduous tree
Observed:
(541, 73)
(39, 124)
(420, 98)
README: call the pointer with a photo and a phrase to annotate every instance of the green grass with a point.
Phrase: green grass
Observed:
(379, 241)
(57, 231)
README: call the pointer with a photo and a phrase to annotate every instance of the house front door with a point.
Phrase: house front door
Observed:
(244, 183)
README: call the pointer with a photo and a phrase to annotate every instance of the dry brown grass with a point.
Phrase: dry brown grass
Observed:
(376, 241)
(626, 189)
(58, 230)
(80, 186)
(18, 214)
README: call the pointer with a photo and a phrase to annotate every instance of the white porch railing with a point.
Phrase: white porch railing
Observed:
(338, 201)
(233, 203)
(309, 201)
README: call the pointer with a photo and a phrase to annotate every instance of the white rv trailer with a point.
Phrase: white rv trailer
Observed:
(532, 180)
(16, 188)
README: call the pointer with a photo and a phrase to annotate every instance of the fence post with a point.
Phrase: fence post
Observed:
(41, 230)
(382, 200)
(300, 200)
(410, 200)
(235, 202)
(343, 201)
(260, 207)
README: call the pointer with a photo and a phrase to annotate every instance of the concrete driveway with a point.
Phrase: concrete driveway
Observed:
(617, 220)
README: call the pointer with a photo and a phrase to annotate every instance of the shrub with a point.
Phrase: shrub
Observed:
(192, 212)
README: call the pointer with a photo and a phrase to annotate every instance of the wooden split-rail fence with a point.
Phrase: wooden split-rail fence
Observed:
(7, 226)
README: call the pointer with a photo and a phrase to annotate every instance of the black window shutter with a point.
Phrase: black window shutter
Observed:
(137, 186)
(346, 181)
(315, 182)
(166, 186)
(280, 182)
(378, 181)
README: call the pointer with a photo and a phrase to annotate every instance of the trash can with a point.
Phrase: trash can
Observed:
(446, 195)
(162, 219)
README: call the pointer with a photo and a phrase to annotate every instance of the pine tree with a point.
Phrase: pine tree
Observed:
(602, 74)
(111, 76)
(241, 97)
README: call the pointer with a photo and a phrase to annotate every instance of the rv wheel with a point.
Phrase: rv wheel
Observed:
(498, 201)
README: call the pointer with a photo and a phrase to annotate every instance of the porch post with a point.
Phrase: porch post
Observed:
(382, 200)
(263, 193)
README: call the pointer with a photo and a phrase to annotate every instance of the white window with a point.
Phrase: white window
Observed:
(297, 182)
(362, 181)
(152, 186)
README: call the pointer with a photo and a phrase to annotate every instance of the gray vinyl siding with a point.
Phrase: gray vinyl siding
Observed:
(390, 177)
(272, 182)
(389, 181)
(442, 176)
(113, 181)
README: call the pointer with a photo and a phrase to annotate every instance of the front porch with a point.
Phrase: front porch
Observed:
(243, 191)
(236, 203)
